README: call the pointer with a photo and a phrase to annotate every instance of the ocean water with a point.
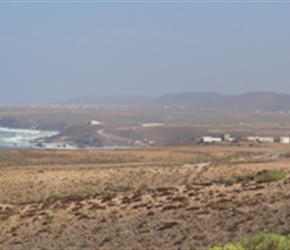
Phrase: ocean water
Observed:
(24, 138)
(35, 139)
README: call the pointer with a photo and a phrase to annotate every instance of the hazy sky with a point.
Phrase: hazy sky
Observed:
(53, 51)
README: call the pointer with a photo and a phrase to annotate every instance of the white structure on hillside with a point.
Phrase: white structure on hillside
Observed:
(261, 139)
(95, 122)
(284, 139)
(155, 124)
(210, 139)
(226, 137)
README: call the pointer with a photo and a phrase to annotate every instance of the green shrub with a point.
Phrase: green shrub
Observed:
(269, 176)
(48, 220)
(260, 177)
(236, 246)
(247, 177)
(229, 181)
(52, 199)
(259, 241)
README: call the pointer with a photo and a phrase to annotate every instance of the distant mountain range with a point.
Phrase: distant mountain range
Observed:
(252, 101)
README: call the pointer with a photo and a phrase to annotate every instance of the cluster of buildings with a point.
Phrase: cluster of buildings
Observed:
(245, 138)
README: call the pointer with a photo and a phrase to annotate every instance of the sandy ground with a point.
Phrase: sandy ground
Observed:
(165, 198)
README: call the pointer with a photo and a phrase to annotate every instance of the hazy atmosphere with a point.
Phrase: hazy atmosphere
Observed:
(53, 51)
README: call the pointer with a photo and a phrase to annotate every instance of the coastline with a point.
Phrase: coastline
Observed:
(15, 138)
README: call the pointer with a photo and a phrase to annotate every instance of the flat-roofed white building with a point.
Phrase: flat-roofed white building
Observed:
(210, 139)
(95, 122)
(261, 139)
(284, 139)
(153, 124)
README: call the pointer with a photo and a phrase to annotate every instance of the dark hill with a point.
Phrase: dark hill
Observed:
(252, 101)
(188, 98)
(263, 101)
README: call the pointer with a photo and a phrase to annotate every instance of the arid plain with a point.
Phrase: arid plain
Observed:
(176, 194)
(173, 197)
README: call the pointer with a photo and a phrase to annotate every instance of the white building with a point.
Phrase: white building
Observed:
(95, 122)
(261, 139)
(210, 139)
(155, 124)
(284, 139)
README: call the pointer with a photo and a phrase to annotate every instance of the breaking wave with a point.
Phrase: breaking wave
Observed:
(23, 138)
